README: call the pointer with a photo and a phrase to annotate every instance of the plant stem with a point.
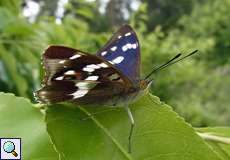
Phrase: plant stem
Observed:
(215, 138)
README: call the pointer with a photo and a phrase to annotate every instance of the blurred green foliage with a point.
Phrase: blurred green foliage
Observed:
(198, 88)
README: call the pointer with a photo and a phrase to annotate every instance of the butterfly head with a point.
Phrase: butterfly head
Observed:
(145, 84)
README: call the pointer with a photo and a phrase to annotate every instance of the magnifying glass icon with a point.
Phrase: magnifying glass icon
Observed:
(9, 147)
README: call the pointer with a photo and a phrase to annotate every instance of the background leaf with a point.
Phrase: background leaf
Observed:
(19, 118)
(10, 63)
(159, 133)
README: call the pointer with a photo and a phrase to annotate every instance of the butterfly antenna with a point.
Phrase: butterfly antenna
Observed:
(170, 62)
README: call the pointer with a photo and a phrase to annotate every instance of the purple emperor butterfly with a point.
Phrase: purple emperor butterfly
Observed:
(112, 77)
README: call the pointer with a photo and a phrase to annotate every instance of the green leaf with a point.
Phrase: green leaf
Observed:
(13, 5)
(218, 139)
(159, 133)
(10, 64)
(19, 118)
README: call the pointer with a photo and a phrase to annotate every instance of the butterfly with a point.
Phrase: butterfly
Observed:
(111, 77)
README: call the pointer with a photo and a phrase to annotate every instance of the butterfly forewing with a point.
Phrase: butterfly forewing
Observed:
(74, 75)
(123, 51)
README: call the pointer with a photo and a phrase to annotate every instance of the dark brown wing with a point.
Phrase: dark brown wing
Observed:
(73, 75)
(86, 93)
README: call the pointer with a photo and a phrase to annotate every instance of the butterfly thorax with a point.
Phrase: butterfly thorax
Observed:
(131, 94)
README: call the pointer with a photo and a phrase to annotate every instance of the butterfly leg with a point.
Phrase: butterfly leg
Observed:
(131, 128)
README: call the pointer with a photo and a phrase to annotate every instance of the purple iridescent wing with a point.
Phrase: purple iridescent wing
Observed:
(123, 51)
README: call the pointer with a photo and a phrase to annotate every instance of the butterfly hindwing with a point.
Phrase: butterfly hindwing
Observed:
(84, 92)
(123, 51)
(74, 75)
